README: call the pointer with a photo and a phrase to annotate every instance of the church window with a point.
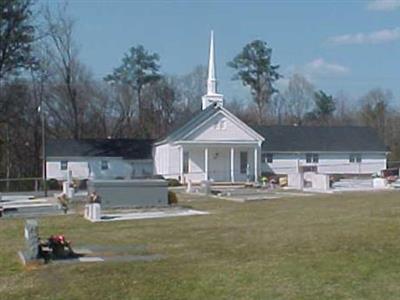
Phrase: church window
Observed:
(186, 162)
(221, 125)
(64, 165)
(243, 162)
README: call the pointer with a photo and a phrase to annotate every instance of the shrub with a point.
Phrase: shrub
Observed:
(53, 184)
(173, 182)
(172, 198)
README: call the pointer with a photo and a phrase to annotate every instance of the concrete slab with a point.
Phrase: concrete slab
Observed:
(108, 217)
(90, 259)
(353, 185)
(130, 258)
(26, 205)
(6, 197)
(83, 251)
(111, 258)
(256, 194)
(23, 206)
(295, 194)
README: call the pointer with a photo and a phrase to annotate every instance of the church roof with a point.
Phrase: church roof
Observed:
(196, 119)
(324, 139)
(204, 115)
(126, 148)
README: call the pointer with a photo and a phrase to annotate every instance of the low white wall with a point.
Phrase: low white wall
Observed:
(329, 163)
(296, 181)
(320, 182)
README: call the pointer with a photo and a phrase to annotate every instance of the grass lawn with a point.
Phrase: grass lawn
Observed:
(323, 247)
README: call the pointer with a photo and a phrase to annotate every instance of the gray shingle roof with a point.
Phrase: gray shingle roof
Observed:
(126, 148)
(196, 119)
(309, 138)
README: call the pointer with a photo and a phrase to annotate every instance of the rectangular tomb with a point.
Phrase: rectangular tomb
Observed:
(130, 193)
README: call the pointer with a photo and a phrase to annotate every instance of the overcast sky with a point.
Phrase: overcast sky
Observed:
(349, 46)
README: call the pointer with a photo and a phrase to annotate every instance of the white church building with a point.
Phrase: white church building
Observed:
(216, 145)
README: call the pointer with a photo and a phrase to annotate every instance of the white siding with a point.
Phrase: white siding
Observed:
(196, 165)
(167, 160)
(80, 169)
(329, 163)
(174, 161)
(283, 163)
(161, 159)
(117, 167)
(250, 156)
(214, 130)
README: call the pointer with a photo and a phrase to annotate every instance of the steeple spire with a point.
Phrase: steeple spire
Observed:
(212, 97)
(211, 80)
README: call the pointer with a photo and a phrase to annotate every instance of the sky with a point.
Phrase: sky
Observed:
(340, 46)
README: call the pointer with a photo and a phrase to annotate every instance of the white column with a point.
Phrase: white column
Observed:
(255, 164)
(232, 164)
(206, 163)
(181, 164)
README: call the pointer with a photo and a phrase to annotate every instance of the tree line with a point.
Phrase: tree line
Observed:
(42, 76)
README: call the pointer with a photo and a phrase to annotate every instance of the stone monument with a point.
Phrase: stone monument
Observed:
(93, 212)
(31, 234)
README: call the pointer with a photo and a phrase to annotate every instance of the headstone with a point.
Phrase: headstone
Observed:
(31, 233)
(96, 212)
(69, 177)
(189, 187)
(87, 211)
(379, 183)
(93, 212)
(320, 182)
(205, 187)
(67, 186)
(296, 180)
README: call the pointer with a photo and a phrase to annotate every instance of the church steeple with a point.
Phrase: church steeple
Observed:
(212, 97)
(211, 80)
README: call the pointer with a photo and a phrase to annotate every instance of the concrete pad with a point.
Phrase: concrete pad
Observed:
(16, 197)
(22, 201)
(90, 259)
(353, 185)
(294, 194)
(129, 258)
(83, 251)
(318, 191)
(257, 194)
(108, 217)
(12, 205)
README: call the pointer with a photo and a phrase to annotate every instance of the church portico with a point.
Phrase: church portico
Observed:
(219, 162)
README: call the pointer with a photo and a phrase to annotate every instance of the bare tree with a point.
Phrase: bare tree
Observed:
(160, 109)
(374, 106)
(299, 96)
(192, 87)
(277, 108)
(67, 103)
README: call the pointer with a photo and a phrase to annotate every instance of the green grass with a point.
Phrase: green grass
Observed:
(323, 247)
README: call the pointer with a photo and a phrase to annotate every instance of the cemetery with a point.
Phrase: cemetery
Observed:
(272, 239)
